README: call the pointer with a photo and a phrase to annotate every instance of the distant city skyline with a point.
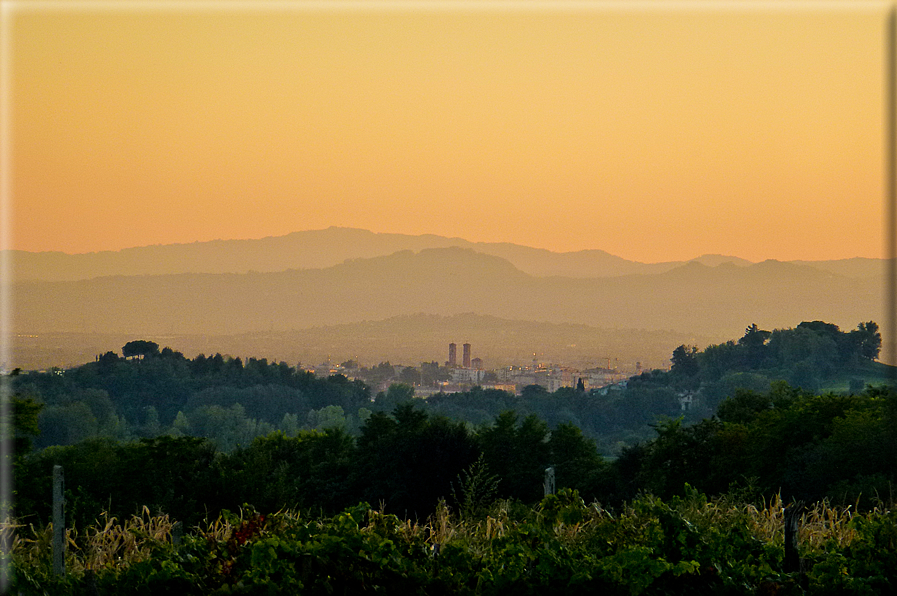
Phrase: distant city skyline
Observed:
(653, 131)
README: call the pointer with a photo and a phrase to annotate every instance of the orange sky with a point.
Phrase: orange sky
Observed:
(656, 133)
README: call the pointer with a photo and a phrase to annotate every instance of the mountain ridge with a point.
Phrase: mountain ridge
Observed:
(316, 249)
(692, 298)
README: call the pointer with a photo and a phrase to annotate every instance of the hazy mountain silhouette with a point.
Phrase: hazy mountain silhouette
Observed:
(692, 298)
(856, 267)
(317, 249)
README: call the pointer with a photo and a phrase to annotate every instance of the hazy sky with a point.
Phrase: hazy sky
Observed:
(655, 131)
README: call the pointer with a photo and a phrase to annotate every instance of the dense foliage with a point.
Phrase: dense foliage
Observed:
(808, 446)
(686, 545)
(162, 392)
(807, 356)
(194, 437)
(151, 392)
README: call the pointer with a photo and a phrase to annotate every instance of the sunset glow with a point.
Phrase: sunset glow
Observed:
(655, 133)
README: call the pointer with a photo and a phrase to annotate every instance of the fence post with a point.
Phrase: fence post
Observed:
(792, 518)
(177, 533)
(58, 521)
(548, 485)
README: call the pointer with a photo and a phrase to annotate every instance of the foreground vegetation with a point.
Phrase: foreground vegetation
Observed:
(696, 508)
(646, 531)
(686, 545)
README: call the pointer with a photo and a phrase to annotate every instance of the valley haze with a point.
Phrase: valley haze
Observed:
(350, 293)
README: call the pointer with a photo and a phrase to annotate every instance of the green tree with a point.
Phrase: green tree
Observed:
(744, 380)
(867, 338)
(327, 417)
(227, 427)
(26, 413)
(805, 375)
(518, 454)
(310, 470)
(754, 345)
(289, 425)
(410, 376)
(66, 424)
(431, 373)
(106, 363)
(717, 360)
(181, 425)
(379, 374)
(856, 386)
(151, 426)
(678, 455)
(576, 460)
(98, 401)
(533, 392)
(475, 489)
(140, 348)
(397, 394)
(744, 406)
(685, 361)
(409, 460)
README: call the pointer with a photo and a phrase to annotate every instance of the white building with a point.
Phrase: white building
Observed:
(467, 375)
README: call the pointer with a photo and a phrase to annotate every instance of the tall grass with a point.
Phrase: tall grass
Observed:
(112, 544)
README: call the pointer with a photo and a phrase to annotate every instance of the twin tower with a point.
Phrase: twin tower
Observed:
(453, 356)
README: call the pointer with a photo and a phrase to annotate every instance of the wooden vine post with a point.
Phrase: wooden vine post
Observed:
(793, 513)
(58, 521)
(548, 484)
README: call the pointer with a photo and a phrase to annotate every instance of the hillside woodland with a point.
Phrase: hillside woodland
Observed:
(146, 392)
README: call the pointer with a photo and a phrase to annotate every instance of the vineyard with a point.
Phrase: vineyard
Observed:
(685, 545)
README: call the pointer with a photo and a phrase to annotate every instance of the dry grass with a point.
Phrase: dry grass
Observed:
(108, 544)
(218, 530)
(824, 523)
(820, 523)
(112, 544)
(441, 525)
(126, 543)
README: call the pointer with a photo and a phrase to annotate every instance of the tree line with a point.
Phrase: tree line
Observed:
(407, 460)
(133, 427)
(788, 441)
(148, 392)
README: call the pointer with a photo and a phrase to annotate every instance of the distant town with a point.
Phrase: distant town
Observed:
(453, 376)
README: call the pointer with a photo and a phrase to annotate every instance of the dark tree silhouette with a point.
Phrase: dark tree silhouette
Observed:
(140, 348)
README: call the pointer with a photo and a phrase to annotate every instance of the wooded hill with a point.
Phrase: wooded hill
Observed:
(146, 392)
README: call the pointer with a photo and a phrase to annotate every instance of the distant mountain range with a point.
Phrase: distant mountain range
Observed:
(317, 249)
(309, 283)
(448, 281)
